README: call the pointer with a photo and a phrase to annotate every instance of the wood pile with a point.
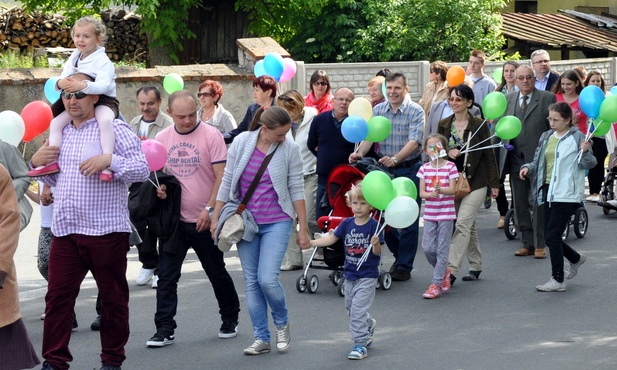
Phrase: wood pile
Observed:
(25, 31)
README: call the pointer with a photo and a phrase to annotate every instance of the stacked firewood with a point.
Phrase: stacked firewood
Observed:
(23, 31)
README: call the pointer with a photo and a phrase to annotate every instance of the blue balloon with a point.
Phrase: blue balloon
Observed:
(590, 100)
(274, 65)
(614, 90)
(51, 94)
(354, 129)
(259, 69)
(383, 90)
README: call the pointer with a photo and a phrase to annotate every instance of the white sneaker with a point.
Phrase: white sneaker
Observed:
(593, 198)
(552, 286)
(574, 267)
(155, 281)
(144, 276)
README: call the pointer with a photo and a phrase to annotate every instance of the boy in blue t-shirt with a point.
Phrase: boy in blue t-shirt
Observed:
(357, 232)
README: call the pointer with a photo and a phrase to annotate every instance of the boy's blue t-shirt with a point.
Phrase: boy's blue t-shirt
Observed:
(356, 239)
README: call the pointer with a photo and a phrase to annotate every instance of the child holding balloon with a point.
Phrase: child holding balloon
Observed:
(360, 271)
(90, 59)
(437, 187)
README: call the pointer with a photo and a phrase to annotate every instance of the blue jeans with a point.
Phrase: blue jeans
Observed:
(170, 266)
(404, 243)
(261, 263)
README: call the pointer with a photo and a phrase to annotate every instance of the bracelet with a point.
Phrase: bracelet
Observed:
(394, 160)
(209, 209)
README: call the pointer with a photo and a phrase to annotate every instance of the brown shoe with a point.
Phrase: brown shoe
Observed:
(524, 251)
(540, 253)
(501, 223)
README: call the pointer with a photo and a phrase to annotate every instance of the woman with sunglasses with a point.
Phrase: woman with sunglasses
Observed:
(264, 92)
(211, 112)
(437, 89)
(465, 131)
(320, 96)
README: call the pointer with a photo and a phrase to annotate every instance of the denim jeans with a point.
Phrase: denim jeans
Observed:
(170, 266)
(404, 243)
(556, 217)
(261, 263)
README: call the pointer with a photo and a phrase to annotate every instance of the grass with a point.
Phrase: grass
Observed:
(14, 59)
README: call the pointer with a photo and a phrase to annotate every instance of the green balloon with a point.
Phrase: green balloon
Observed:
(379, 128)
(172, 83)
(601, 128)
(403, 186)
(608, 109)
(494, 105)
(377, 189)
(497, 75)
(508, 128)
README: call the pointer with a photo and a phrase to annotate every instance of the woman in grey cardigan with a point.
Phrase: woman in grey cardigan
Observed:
(277, 200)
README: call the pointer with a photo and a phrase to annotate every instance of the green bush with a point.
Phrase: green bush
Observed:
(15, 59)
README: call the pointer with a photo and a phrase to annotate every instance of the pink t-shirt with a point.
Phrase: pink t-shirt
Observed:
(578, 116)
(190, 160)
(442, 207)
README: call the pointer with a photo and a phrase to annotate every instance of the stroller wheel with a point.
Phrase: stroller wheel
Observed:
(313, 284)
(581, 222)
(385, 280)
(341, 287)
(510, 229)
(301, 284)
(335, 277)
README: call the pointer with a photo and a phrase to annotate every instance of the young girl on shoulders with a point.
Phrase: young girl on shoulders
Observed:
(89, 58)
(437, 187)
(360, 277)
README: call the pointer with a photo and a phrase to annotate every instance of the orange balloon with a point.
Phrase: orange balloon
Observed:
(455, 76)
(37, 116)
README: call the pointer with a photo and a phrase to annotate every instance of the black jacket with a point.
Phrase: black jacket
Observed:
(162, 217)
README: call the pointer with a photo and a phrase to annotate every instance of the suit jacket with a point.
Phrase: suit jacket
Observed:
(552, 79)
(534, 125)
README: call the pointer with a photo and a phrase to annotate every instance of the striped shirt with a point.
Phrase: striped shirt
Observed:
(407, 124)
(264, 204)
(442, 207)
(85, 205)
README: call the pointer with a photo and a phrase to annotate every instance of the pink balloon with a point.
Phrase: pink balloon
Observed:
(290, 70)
(156, 154)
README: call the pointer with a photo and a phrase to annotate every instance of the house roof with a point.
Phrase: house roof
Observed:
(572, 30)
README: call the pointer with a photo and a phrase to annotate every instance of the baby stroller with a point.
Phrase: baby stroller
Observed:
(580, 222)
(607, 195)
(339, 182)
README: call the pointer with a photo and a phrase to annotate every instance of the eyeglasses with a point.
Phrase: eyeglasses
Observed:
(78, 95)
(343, 100)
(545, 61)
(206, 94)
(320, 83)
(456, 100)
(521, 78)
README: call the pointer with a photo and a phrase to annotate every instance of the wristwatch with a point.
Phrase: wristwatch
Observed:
(209, 209)
(394, 160)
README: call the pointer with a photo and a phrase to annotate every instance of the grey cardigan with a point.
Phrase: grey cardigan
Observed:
(285, 170)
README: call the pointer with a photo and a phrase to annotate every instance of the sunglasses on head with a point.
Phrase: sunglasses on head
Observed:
(285, 98)
(199, 95)
(320, 83)
(78, 95)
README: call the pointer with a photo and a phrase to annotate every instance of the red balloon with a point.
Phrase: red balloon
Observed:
(37, 116)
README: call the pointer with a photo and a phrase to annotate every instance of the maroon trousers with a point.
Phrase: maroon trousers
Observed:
(70, 259)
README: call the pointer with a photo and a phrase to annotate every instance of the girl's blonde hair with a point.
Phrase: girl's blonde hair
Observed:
(100, 30)
(440, 137)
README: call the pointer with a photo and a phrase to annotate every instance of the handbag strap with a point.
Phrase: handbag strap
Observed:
(255, 181)
(466, 153)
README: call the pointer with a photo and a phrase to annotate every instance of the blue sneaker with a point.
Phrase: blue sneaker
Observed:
(371, 331)
(357, 353)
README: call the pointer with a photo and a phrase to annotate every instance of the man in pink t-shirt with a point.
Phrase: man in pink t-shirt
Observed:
(196, 157)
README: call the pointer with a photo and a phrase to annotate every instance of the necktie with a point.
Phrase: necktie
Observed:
(524, 105)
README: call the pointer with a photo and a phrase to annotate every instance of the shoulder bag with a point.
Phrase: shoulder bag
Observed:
(233, 227)
(462, 185)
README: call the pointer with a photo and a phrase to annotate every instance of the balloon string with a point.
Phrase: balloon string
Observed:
(24, 152)
(152, 182)
(484, 147)
(157, 179)
(364, 256)
(382, 228)
(379, 222)
(474, 134)
(481, 142)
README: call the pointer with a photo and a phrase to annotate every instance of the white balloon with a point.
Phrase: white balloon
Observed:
(401, 212)
(12, 127)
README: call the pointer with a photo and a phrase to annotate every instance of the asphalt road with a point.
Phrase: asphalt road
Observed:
(497, 322)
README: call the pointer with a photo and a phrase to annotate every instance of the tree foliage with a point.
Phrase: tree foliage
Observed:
(164, 20)
(380, 30)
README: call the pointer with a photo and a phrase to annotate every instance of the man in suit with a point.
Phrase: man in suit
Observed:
(530, 105)
(541, 62)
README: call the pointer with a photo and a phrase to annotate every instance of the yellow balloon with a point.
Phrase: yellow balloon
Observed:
(361, 107)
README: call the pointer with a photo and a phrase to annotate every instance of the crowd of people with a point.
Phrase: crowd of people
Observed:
(272, 169)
